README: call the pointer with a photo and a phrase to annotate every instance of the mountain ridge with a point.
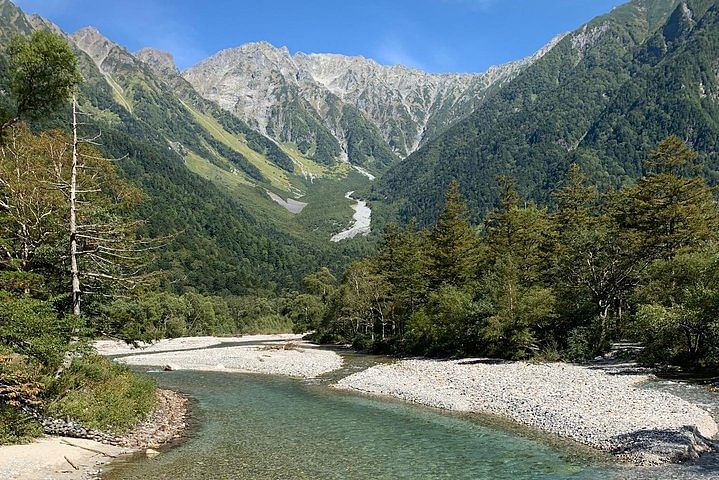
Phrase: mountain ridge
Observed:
(406, 104)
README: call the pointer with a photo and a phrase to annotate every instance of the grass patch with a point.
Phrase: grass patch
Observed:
(212, 172)
(277, 177)
(103, 395)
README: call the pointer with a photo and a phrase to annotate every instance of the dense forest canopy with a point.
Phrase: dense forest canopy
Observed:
(637, 263)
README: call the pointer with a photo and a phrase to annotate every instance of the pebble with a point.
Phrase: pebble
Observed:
(164, 424)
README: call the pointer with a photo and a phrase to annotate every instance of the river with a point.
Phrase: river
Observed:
(362, 219)
(265, 427)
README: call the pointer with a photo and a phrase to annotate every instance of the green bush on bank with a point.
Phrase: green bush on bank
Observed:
(101, 394)
(17, 427)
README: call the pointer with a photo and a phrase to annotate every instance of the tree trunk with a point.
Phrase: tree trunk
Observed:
(74, 269)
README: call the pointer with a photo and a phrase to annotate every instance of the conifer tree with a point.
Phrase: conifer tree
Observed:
(453, 243)
(672, 207)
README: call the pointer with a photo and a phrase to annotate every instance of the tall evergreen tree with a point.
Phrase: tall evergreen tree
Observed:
(453, 243)
(672, 207)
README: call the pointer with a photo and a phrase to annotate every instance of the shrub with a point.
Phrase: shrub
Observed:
(101, 394)
(17, 426)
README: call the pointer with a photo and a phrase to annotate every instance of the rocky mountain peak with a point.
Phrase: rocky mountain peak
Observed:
(92, 42)
(161, 62)
(259, 82)
(37, 22)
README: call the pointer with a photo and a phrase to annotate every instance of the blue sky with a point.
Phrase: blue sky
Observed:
(435, 35)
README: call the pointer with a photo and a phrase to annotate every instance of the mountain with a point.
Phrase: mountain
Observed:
(340, 107)
(206, 175)
(603, 97)
(250, 153)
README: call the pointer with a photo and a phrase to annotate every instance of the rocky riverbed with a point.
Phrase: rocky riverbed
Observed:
(293, 359)
(607, 411)
(117, 347)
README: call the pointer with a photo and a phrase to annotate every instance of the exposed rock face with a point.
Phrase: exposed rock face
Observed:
(162, 63)
(274, 91)
(92, 42)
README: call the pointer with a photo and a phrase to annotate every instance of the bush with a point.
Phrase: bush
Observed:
(20, 387)
(16, 426)
(582, 344)
(102, 395)
(33, 328)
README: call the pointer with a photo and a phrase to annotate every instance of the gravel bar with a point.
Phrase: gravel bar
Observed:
(609, 412)
(293, 360)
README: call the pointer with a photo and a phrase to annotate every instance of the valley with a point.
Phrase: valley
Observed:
(245, 257)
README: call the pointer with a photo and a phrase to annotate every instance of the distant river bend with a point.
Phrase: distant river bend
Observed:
(362, 219)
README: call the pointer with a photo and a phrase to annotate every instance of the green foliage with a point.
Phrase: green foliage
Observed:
(154, 315)
(102, 395)
(639, 263)
(453, 242)
(34, 328)
(43, 74)
(678, 312)
(17, 427)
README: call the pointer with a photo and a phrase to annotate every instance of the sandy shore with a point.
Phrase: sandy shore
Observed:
(62, 457)
(55, 458)
(284, 355)
(609, 412)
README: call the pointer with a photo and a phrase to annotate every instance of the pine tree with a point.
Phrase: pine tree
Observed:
(403, 261)
(672, 207)
(453, 243)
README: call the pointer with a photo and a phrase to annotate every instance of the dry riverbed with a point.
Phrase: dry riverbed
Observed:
(279, 355)
(608, 412)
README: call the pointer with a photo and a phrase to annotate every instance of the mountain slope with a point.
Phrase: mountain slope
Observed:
(227, 239)
(334, 107)
(596, 98)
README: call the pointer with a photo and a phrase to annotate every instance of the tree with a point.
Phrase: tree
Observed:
(672, 207)
(595, 268)
(403, 261)
(321, 283)
(515, 312)
(31, 209)
(105, 251)
(43, 75)
(678, 312)
(518, 308)
(453, 243)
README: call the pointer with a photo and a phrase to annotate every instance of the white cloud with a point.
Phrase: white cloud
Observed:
(392, 51)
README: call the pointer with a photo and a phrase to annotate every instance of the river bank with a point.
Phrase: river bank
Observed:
(71, 458)
(610, 412)
(607, 409)
(285, 355)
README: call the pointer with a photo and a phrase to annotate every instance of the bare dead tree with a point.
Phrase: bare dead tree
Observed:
(74, 269)
(106, 255)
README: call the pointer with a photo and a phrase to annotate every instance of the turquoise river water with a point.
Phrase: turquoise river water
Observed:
(263, 427)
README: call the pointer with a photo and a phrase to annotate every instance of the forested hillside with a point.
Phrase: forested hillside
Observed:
(199, 168)
(601, 98)
(638, 263)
